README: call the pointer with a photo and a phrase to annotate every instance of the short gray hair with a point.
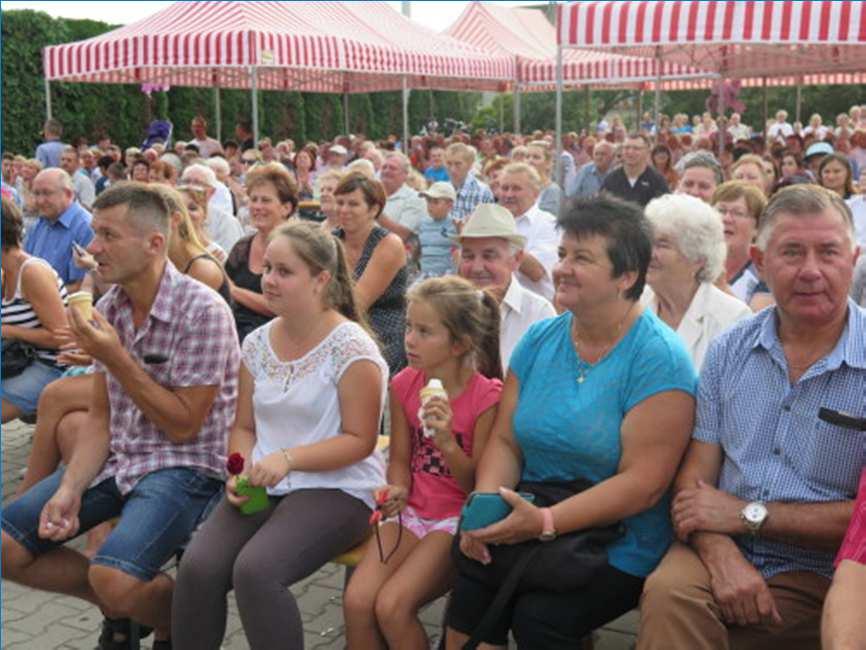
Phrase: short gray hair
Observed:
(524, 168)
(802, 200)
(696, 229)
(701, 159)
(404, 160)
(206, 173)
(218, 164)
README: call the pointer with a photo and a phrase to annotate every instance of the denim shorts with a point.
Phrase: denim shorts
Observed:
(156, 518)
(23, 390)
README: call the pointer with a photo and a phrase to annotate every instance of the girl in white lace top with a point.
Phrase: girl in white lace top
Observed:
(310, 398)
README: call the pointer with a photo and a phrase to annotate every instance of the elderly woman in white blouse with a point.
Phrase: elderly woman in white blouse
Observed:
(688, 254)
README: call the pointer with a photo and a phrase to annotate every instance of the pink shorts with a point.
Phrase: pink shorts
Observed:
(854, 546)
(421, 527)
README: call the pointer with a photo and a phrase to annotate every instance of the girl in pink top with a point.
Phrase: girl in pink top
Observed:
(452, 334)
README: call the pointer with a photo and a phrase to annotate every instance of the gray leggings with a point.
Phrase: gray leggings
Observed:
(260, 556)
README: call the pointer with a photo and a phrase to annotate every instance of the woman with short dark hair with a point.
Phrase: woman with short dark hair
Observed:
(603, 393)
(378, 260)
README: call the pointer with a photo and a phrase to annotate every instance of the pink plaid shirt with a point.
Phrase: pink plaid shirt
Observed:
(192, 328)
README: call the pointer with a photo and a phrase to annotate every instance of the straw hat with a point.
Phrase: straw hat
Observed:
(491, 220)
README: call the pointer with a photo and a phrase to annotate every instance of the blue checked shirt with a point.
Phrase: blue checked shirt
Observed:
(775, 447)
(469, 196)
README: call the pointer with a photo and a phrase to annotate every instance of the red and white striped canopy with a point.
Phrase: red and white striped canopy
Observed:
(526, 35)
(311, 46)
(735, 39)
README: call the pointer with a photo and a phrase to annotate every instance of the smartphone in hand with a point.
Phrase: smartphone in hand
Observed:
(485, 508)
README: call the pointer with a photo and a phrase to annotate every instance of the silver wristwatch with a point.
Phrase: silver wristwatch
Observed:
(754, 515)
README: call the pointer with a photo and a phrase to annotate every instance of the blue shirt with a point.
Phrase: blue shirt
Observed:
(568, 430)
(52, 240)
(436, 174)
(586, 182)
(775, 447)
(48, 153)
(469, 196)
(436, 246)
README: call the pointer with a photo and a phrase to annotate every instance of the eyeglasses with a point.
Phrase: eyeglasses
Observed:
(249, 161)
(734, 212)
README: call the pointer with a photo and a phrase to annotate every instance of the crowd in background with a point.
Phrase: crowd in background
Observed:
(580, 294)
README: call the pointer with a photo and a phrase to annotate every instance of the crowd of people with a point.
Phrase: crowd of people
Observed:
(666, 325)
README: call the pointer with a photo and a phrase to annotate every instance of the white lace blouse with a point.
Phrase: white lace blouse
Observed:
(296, 403)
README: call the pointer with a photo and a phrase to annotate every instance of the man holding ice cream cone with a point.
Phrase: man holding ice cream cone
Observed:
(164, 389)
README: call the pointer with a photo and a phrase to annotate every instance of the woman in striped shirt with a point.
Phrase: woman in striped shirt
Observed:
(32, 311)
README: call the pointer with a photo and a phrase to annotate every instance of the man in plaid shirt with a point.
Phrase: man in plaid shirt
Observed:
(459, 159)
(166, 359)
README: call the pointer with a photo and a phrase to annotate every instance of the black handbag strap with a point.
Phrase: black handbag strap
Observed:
(503, 596)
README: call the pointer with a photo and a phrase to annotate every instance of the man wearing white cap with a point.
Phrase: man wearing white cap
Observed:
(336, 157)
(491, 251)
(436, 230)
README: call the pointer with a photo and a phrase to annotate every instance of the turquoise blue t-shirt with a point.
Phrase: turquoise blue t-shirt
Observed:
(568, 430)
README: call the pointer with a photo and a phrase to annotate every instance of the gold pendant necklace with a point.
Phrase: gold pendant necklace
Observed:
(584, 367)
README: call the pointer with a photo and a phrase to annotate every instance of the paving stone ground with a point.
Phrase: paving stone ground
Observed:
(33, 620)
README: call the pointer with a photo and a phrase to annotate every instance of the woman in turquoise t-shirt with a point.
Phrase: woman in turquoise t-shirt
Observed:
(603, 392)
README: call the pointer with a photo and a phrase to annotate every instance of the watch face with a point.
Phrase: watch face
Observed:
(755, 512)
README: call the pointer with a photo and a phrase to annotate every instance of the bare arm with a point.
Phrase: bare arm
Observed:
(178, 412)
(400, 446)
(250, 299)
(700, 507)
(462, 466)
(398, 229)
(40, 289)
(242, 437)
(388, 258)
(532, 268)
(87, 459)
(654, 436)
(207, 272)
(501, 462)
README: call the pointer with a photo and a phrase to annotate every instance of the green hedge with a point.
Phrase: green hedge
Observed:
(123, 111)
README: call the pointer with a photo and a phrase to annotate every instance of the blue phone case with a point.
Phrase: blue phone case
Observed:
(485, 508)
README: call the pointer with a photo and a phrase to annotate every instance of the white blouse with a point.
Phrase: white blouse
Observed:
(297, 403)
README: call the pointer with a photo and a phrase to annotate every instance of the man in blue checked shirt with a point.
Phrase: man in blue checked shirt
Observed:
(766, 491)
(459, 159)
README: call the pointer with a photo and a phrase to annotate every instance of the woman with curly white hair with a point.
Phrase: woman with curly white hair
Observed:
(688, 255)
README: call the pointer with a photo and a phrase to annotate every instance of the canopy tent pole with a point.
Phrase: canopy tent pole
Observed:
(722, 113)
(405, 115)
(797, 115)
(346, 113)
(657, 101)
(766, 109)
(218, 113)
(254, 85)
(639, 109)
(47, 99)
(558, 161)
(501, 112)
(588, 108)
(516, 108)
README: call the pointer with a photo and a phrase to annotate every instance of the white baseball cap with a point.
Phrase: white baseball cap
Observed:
(440, 190)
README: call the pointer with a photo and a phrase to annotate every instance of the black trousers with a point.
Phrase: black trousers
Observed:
(545, 619)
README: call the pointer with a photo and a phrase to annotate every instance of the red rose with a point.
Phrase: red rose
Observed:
(235, 464)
